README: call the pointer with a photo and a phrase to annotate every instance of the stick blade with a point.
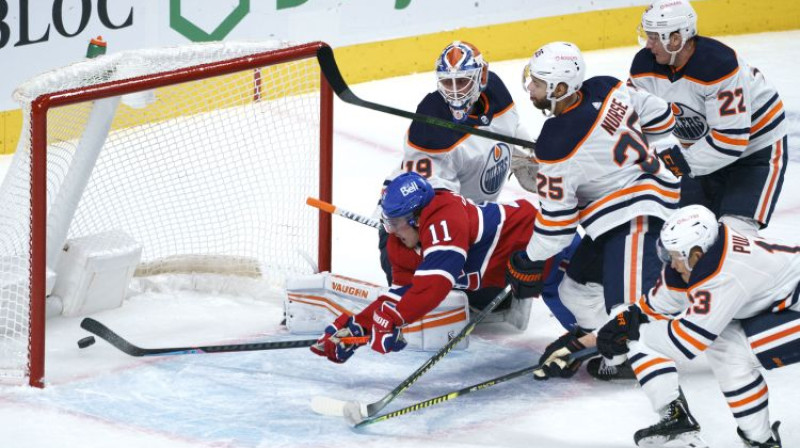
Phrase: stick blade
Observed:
(328, 406)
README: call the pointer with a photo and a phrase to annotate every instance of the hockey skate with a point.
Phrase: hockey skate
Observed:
(677, 428)
(598, 368)
(773, 442)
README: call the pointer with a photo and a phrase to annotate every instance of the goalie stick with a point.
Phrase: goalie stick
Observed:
(334, 210)
(105, 333)
(355, 412)
(578, 356)
(331, 71)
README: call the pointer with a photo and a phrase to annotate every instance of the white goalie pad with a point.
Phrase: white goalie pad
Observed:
(314, 301)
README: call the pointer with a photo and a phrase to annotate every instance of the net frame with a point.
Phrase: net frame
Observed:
(39, 108)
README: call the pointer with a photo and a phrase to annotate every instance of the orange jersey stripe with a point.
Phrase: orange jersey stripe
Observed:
(731, 141)
(649, 364)
(676, 327)
(775, 336)
(650, 311)
(761, 123)
(772, 179)
(735, 404)
(670, 123)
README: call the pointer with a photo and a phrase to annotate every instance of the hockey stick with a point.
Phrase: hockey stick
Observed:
(331, 71)
(578, 356)
(334, 210)
(355, 411)
(103, 332)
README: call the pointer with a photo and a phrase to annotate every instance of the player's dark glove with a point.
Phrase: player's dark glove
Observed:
(612, 339)
(526, 277)
(673, 159)
(329, 344)
(554, 361)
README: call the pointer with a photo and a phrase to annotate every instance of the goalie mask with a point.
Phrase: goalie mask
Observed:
(404, 199)
(556, 63)
(665, 17)
(462, 74)
(689, 227)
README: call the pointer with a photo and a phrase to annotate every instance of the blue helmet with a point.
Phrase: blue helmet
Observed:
(403, 198)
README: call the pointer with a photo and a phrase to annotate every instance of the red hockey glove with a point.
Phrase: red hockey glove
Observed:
(329, 344)
(386, 334)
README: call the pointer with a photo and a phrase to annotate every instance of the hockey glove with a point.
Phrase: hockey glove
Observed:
(526, 277)
(612, 339)
(328, 344)
(674, 161)
(554, 361)
(386, 335)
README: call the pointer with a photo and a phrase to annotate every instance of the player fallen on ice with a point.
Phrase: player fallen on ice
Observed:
(438, 241)
(729, 295)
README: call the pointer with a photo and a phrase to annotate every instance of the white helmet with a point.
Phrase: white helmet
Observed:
(666, 17)
(555, 63)
(462, 75)
(689, 227)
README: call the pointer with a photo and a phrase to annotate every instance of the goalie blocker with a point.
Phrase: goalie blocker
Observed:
(313, 301)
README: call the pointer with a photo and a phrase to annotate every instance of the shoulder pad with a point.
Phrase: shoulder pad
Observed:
(673, 278)
(712, 60)
(429, 137)
(712, 259)
(560, 135)
(644, 62)
(498, 94)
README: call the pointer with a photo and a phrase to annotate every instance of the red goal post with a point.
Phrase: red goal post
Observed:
(203, 161)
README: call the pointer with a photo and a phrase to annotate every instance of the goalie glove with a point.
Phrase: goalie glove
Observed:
(329, 344)
(554, 360)
(386, 334)
(524, 168)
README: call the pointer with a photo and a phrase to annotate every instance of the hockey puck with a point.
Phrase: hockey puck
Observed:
(85, 342)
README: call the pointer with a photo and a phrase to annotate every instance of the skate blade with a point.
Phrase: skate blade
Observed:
(689, 439)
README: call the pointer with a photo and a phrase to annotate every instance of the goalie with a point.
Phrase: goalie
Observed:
(438, 241)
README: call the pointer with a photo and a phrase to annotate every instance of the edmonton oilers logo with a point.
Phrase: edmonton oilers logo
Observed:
(496, 168)
(689, 124)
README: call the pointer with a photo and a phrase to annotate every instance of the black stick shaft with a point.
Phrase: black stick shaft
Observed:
(578, 356)
(374, 408)
(331, 71)
(105, 333)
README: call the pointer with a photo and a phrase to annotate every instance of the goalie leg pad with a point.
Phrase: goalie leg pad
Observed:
(436, 328)
(313, 301)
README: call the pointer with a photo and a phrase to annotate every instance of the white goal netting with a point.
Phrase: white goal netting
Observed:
(206, 175)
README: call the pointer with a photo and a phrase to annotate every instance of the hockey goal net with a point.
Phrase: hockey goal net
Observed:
(202, 156)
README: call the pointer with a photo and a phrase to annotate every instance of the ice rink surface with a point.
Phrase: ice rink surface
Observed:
(100, 397)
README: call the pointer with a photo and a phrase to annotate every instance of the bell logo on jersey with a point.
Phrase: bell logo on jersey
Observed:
(690, 125)
(496, 168)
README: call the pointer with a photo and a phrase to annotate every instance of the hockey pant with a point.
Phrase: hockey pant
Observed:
(314, 301)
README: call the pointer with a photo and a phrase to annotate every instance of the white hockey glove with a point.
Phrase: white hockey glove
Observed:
(524, 167)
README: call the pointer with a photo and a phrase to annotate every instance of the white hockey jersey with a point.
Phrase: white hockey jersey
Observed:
(724, 109)
(473, 166)
(738, 277)
(596, 168)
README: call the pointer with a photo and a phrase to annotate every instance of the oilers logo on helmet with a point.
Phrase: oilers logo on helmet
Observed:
(690, 125)
(496, 168)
